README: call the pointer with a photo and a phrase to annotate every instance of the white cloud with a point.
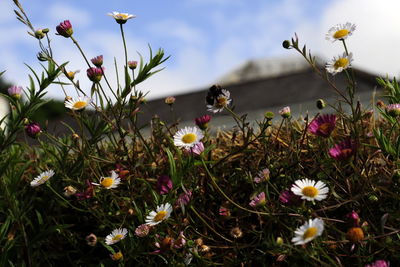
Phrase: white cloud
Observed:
(60, 11)
(178, 29)
(374, 43)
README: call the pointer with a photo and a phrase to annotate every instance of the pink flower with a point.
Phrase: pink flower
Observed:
(262, 176)
(323, 125)
(33, 129)
(202, 122)
(15, 91)
(343, 150)
(97, 61)
(95, 74)
(289, 198)
(197, 149)
(142, 230)
(65, 29)
(183, 199)
(258, 200)
(379, 263)
(164, 184)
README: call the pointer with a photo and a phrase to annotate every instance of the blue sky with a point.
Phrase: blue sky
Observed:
(205, 38)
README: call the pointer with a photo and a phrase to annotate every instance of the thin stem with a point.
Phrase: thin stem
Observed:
(80, 49)
(208, 226)
(126, 52)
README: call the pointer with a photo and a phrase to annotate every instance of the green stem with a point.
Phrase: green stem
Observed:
(208, 226)
(66, 201)
(126, 52)
(80, 49)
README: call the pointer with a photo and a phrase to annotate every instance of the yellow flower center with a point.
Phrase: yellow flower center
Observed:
(189, 138)
(117, 237)
(324, 127)
(221, 102)
(43, 179)
(122, 16)
(310, 191)
(310, 232)
(107, 182)
(160, 216)
(341, 33)
(341, 63)
(80, 104)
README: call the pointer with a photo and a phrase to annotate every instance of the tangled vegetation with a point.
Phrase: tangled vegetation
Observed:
(317, 191)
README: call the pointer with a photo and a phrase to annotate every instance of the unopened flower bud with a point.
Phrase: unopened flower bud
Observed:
(132, 64)
(170, 100)
(69, 191)
(33, 129)
(285, 112)
(286, 44)
(117, 256)
(41, 56)
(373, 198)
(15, 91)
(95, 74)
(321, 104)
(380, 104)
(269, 115)
(279, 241)
(202, 122)
(39, 34)
(65, 29)
(355, 234)
(97, 61)
(45, 30)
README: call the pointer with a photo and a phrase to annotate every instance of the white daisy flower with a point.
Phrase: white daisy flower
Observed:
(42, 178)
(110, 182)
(220, 102)
(310, 190)
(340, 31)
(188, 137)
(121, 18)
(162, 213)
(339, 63)
(308, 231)
(77, 103)
(116, 236)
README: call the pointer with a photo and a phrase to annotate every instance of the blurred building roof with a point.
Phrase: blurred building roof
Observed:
(265, 68)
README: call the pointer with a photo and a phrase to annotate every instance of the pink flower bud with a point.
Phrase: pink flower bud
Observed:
(97, 61)
(164, 184)
(202, 122)
(65, 29)
(15, 91)
(33, 129)
(95, 74)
